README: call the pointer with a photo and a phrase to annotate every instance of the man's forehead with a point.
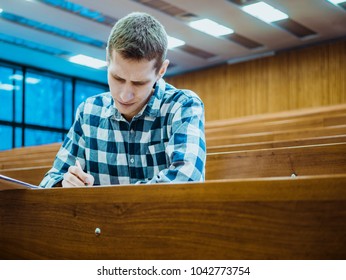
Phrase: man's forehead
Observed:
(126, 68)
(119, 55)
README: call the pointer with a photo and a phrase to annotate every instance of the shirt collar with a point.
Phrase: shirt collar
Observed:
(153, 106)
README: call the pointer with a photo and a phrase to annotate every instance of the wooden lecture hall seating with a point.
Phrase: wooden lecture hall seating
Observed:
(275, 189)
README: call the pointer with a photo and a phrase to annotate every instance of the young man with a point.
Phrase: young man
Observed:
(142, 131)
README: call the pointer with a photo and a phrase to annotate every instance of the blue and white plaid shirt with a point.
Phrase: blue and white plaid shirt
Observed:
(164, 142)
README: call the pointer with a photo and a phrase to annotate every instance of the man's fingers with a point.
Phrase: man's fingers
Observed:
(78, 172)
(71, 180)
(85, 177)
(77, 177)
(89, 180)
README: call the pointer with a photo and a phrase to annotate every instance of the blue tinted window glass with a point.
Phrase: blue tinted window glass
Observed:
(84, 90)
(18, 75)
(43, 100)
(6, 137)
(68, 105)
(18, 137)
(38, 137)
(7, 89)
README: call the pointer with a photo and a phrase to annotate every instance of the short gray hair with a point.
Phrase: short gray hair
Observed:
(139, 36)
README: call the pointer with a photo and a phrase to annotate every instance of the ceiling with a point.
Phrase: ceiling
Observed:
(40, 43)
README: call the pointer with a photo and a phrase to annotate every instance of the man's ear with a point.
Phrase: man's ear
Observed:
(163, 68)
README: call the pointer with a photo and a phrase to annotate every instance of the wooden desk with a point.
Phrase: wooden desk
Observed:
(300, 218)
(308, 160)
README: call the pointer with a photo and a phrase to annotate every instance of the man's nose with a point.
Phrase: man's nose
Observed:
(126, 94)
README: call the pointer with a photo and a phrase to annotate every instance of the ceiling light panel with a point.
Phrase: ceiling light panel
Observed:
(264, 12)
(271, 15)
(210, 27)
(174, 42)
(88, 61)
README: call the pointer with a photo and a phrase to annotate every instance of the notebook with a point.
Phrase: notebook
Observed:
(8, 183)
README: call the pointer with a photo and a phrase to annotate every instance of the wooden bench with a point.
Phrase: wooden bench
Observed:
(30, 150)
(279, 125)
(276, 136)
(301, 218)
(277, 144)
(26, 162)
(275, 162)
(31, 156)
(30, 161)
(44, 155)
(284, 115)
(31, 175)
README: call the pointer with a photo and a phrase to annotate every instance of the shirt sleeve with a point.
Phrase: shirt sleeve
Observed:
(186, 147)
(73, 148)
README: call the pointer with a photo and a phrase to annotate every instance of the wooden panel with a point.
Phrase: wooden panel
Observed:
(31, 175)
(251, 163)
(291, 115)
(276, 135)
(301, 161)
(301, 123)
(253, 219)
(47, 161)
(30, 161)
(277, 144)
(31, 150)
(301, 78)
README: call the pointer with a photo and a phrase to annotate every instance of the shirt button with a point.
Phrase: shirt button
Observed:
(132, 131)
(132, 160)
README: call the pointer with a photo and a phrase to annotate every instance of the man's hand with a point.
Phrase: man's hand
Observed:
(76, 177)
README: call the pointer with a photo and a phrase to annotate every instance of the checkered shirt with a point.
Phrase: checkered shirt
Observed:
(164, 142)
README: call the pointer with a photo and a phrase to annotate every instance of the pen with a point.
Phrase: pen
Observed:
(79, 166)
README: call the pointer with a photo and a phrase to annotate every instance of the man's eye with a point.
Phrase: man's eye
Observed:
(118, 79)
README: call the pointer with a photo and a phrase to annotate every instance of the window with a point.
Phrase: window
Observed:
(6, 137)
(10, 93)
(84, 90)
(39, 137)
(44, 100)
(38, 107)
(67, 105)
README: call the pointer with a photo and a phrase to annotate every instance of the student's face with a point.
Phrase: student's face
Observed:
(131, 83)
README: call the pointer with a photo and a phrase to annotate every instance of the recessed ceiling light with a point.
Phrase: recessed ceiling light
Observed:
(8, 87)
(28, 80)
(174, 42)
(210, 27)
(88, 61)
(264, 12)
(32, 81)
(16, 77)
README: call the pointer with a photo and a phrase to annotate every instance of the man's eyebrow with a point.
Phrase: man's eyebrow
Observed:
(134, 82)
(141, 82)
(117, 77)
